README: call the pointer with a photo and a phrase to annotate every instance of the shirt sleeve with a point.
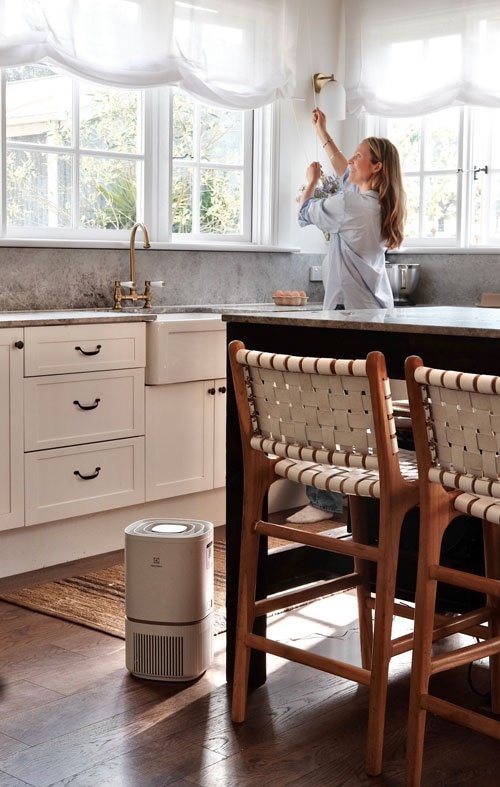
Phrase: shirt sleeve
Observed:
(326, 213)
(303, 213)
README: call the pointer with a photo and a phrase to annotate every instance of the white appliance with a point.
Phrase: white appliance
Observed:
(169, 598)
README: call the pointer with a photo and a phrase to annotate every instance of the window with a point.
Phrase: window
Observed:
(87, 161)
(210, 189)
(452, 175)
(424, 74)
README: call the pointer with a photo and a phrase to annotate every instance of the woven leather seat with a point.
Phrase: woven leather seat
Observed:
(328, 423)
(456, 427)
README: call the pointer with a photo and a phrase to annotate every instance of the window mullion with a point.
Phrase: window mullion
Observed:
(150, 194)
(465, 190)
(161, 162)
(3, 155)
(75, 196)
(196, 173)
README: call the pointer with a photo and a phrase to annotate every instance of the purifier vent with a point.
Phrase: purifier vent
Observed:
(158, 655)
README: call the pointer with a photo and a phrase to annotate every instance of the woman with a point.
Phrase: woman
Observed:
(363, 218)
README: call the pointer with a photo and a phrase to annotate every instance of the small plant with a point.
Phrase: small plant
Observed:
(328, 185)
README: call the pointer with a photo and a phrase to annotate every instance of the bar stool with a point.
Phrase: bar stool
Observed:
(327, 423)
(456, 427)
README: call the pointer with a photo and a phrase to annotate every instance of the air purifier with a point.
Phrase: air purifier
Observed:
(169, 598)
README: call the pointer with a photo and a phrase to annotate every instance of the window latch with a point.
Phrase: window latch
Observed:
(476, 170)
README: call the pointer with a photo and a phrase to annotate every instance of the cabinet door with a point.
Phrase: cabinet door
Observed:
(11, 429)
(179, 439)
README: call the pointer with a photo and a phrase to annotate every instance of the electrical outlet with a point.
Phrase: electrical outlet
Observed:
(315, 273)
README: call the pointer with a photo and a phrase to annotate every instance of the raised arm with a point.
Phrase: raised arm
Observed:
(313, 173)
(339, 161)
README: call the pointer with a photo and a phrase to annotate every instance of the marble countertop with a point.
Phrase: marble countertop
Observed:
(455, 320)
(12, 319)
(23, 319)
(450, 320)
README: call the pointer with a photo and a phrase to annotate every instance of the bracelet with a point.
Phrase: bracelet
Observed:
(327, 142)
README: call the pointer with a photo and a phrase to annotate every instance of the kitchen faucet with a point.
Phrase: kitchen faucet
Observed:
(132, 285)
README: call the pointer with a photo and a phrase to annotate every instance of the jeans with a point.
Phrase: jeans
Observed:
(325, 501)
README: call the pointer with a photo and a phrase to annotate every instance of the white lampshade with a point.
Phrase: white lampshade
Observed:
(331, 96)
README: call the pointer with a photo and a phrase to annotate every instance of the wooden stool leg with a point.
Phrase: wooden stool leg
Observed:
(391, 519)
(259, 476)
(491, 541)
(246, 596)
(358, 510)
(431, 532)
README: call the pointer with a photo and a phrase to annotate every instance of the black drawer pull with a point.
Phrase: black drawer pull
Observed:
(87, 406)
(222, 389)
(91, 352)
(87, 477)
(19, 344)
(211, 391)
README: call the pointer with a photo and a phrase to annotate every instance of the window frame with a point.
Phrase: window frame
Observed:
(377, 126)
(258, 197)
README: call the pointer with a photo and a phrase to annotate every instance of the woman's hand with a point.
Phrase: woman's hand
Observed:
(336, 156)
(313, 173)
(319, 122)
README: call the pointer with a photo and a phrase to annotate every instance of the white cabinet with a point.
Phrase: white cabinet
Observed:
(84, 347)
(11, 428)
(84, 419)
(69, 409)
(83, 479)
(185, 407)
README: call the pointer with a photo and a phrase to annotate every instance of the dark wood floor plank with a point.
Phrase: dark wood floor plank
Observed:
(24, 695)
(155, 761)
(9, 745)
(6, 780)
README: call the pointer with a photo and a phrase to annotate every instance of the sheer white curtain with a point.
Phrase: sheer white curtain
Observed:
(232, 53)
(410, 57)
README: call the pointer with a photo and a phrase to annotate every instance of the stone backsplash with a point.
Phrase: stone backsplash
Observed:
(62, 278)
(453, 279)
(56, 278)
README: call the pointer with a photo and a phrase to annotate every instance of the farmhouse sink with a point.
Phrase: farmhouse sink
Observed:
(185, 346)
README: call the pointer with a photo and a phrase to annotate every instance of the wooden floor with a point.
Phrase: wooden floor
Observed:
(71, 714)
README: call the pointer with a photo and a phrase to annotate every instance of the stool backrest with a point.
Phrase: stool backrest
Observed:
(456, 420)
(324, 410)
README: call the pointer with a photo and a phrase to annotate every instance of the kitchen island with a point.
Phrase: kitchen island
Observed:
(465, 338)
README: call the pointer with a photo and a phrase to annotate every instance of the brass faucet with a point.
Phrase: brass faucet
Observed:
(133, 294)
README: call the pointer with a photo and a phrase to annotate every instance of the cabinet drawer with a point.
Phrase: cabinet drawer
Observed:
(62, 349)
(67, 482)
(81, 408)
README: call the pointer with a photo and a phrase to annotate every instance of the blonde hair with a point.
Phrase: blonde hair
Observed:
(388, 181)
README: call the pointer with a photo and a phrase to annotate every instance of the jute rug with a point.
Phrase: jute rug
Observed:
(97, 599)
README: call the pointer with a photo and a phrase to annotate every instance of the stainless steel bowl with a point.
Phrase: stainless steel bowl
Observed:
(403, 278)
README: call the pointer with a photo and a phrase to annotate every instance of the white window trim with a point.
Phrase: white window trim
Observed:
(262, 202)
(368, 126)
